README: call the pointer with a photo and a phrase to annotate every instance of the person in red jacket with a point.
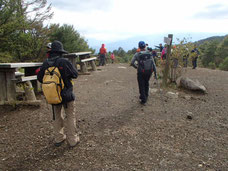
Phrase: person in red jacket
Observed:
(112, 57)
(102, 53)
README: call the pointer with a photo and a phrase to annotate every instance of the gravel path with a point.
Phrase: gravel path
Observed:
(117, 133)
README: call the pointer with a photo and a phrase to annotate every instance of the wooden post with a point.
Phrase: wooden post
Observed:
(167, 65)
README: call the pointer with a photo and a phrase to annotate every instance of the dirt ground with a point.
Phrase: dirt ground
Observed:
(118, 133)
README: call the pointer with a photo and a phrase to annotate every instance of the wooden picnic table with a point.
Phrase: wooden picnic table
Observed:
(80, 55)
(81, 58)
(7, 78)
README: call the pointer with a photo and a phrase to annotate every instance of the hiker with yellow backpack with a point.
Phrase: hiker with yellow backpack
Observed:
(56, 76)
(194, 55)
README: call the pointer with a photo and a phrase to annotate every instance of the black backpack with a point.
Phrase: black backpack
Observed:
(145, 63)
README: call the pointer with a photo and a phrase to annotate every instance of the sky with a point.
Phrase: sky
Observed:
(118, 20)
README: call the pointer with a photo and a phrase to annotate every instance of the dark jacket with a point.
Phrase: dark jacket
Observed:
(67, 71)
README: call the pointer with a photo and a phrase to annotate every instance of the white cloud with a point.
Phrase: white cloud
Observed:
(120, 19)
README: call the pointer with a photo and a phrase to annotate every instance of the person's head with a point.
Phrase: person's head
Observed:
(57, 47)
(150, 49)
(142, 45)
(146, 45)
(103, 45)
(160, 44)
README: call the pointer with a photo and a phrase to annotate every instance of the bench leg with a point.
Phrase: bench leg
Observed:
(8, 88)
(83, 67)
(94, 68)
(29, 91)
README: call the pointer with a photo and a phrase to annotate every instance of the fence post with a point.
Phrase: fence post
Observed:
(167, 64)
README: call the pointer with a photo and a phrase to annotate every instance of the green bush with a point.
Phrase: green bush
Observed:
(224, 65)
(212, 65)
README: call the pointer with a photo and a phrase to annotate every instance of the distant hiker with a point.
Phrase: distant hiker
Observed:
(194, 56)
(160, 47)
(147, 47)
(57, 66)
(164, 53)
(112, 57)
(155, 56)
(145, 67)
(102, 54)
(153, 53)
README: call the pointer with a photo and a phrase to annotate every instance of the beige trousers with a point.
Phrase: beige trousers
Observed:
(65, 128)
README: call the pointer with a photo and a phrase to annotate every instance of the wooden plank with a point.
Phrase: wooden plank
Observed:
(28, 78)
(78, 53)
(20, 65)
(88, 59)
(19, 74)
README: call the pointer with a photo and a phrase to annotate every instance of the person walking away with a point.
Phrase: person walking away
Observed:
(67, 72)
(112, 57)
(145, 67)
(103, 52)
(194, 56)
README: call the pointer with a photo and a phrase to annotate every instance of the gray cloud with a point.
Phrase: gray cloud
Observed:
(217, 11)
(82, 5)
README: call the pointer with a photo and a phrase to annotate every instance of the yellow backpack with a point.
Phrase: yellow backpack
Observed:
(52, 85)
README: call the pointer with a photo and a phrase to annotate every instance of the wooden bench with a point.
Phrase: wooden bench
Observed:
(9, 77)
(91, 61)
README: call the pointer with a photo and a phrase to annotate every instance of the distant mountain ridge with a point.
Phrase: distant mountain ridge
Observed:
(213, 38)
(154, 39)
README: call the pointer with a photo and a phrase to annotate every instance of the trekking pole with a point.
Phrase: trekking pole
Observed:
(161, 97)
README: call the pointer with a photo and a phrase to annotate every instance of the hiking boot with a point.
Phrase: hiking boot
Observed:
(142, 102)
(78, 141)
(58, 144)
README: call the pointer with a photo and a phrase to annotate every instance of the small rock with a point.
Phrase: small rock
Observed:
(189, 117)
(187, 97)
(200, 165)
(153, 90)
(172, 95)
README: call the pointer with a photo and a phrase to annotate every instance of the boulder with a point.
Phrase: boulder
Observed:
(189, 84)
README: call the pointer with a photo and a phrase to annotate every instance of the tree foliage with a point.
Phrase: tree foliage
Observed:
(208, 52)
(214, 53)
(71, 39)
(22, 36)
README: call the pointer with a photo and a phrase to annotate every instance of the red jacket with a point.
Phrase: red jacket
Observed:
(103, 49)
(112, 56)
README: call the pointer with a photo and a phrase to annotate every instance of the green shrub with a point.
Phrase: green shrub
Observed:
(212, 65)
(224, 65)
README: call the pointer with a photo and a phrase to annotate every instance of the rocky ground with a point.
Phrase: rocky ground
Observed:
(174, 131)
